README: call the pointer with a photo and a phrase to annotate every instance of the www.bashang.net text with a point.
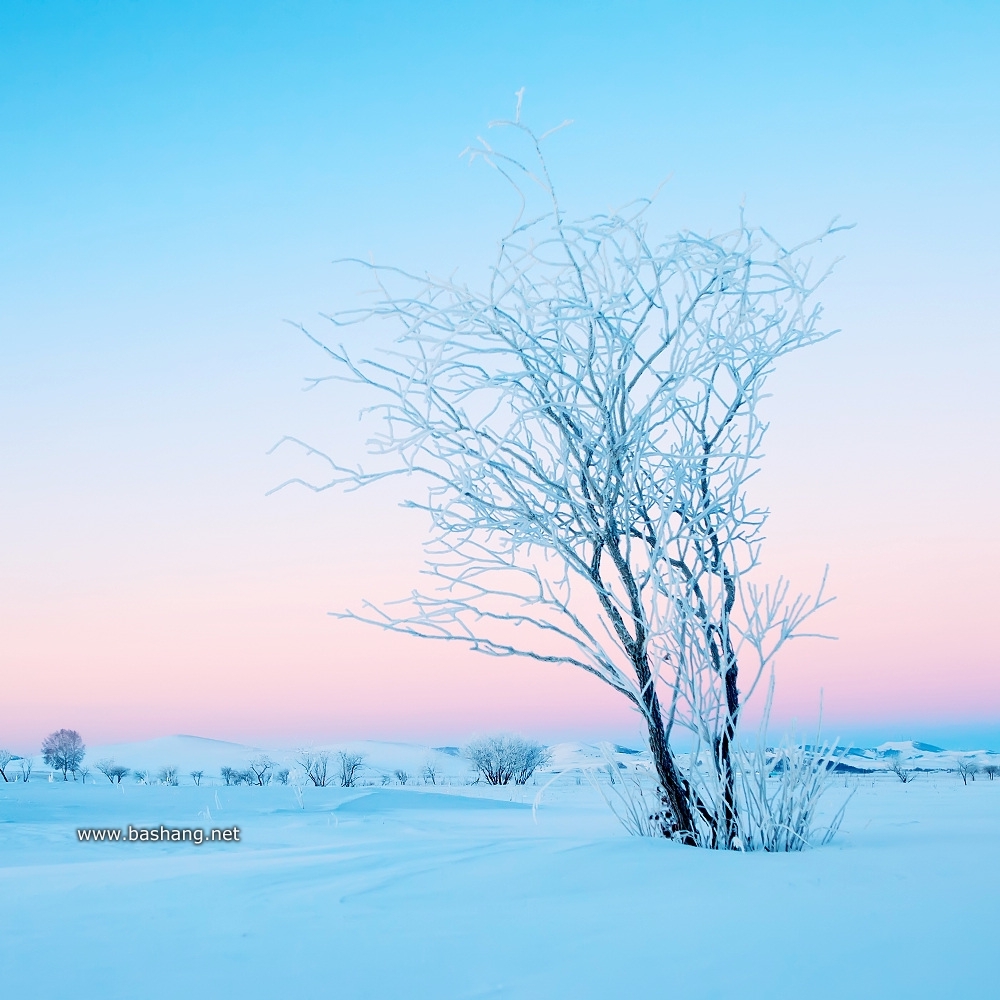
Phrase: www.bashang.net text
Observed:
(160, 834)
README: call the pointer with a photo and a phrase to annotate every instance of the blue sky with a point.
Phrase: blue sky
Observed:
(177, 178)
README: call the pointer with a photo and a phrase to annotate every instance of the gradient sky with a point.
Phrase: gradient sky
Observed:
(175, 180)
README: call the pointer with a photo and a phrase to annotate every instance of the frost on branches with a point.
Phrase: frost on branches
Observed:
(586, 426)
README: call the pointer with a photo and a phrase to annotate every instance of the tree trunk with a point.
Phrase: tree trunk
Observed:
(676, 791)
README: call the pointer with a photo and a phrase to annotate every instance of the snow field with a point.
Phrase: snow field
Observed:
(467, 892)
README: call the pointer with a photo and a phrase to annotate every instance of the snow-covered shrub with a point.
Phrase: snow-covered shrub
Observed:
(140, 776)
(779, 793)
(505, 758)
(316, 763)
(25, 765)
(167, 775)
(350, 764)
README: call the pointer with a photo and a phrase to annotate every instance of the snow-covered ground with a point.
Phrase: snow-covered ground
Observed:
(466, 891)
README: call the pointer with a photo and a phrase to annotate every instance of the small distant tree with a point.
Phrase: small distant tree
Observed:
(316, 764)
(505, 758)
(6, 756)
(897, 769)
(281, 776)
(168, 775)
(967, 769)
(112, 771)
(25, 766)
(226, 774)
(63, 751)
(196, 776)
(991, 771)
(84, 773)
(384, 780)
(430, 773)
(260, 769)
(141, 777)
(401, 776)
(350, 764)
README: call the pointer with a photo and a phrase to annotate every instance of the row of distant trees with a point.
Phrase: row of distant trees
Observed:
(967, 771)
(500, 760)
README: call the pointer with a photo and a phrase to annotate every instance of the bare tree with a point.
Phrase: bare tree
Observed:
(316, 765)
(196, 776)
(991, 771)
(350, 764)
(897, 769)
(226, 773)
(6, 756)
(505, 758)
(430, 772)
(141, 777)
(84, 773)
(260, 768)
(63, 750)
(587, 427)
(282, 776)
(967, 769)
(112, 771)
(168, 775)
(401, 776)
(25, 766)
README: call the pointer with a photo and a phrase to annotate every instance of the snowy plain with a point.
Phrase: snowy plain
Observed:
(464, 891)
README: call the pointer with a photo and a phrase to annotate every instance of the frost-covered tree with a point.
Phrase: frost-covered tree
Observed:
(350, 764)
(6, 756)
(316, 765)
(505, 758)
(587, 425)
(260, 767)
(63, 750)
(111, 770)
